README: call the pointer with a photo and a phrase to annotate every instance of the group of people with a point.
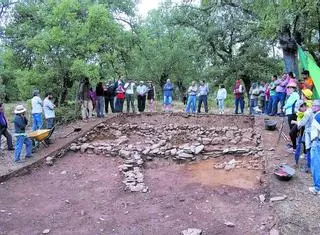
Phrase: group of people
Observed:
(113, 95)
(201, 92)
(39, 108)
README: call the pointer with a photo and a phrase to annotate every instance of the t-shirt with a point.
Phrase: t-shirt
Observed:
(129, 87)
(272, 89)
(36, 104)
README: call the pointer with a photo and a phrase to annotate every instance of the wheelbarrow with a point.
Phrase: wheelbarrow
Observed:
(40, 137)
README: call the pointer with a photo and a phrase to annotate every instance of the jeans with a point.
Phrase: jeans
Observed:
(37, 121)
(239, 101)
(221, 105)
(280, 97)
(130, 100)
(167, 100)
(192, 102)
(141, 102)
(22, 139)
(119, 105)
(4, 132)
(109, 100)
(315, 163)
(203, 99)
(271, 104)
(253, 104)
(262, 105)
(49, 123)
(100, 106)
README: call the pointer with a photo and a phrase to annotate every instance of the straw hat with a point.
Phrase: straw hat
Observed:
(20, 109)
(307, 93)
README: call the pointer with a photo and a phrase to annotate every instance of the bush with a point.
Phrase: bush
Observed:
(67, 113)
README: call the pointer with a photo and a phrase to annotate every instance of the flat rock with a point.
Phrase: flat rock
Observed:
(198, 149)
(46, 231)
(278, 198)
(192, 231)
(229, 224)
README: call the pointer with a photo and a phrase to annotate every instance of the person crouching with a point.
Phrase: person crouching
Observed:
(20, 123)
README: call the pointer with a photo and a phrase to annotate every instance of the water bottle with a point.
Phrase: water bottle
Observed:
(302, 163)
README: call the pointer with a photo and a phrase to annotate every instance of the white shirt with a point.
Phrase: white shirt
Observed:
(36, 104)
(129, 87)
(48, 109)
(222, 94)
(142, 89)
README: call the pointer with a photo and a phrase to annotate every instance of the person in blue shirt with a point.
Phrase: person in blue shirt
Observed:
(167, 95)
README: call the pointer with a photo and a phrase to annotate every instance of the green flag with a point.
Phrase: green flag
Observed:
(307, 63)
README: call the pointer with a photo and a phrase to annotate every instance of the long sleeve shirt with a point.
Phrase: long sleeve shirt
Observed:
(315, 126)
(142, 90)
(203, 90)
(290, 103)
(281, 85)
(48, 108)
(20, 123)
(193, 90)
(221, 94)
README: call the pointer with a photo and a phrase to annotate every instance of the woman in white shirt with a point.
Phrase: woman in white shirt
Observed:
(221, 96)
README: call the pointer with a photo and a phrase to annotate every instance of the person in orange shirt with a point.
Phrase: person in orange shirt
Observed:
(307, 81)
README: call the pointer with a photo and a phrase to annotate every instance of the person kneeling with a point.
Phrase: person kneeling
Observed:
(20, 123)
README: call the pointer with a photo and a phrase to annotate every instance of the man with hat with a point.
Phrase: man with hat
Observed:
(315, 148)
(142, 90)
(307, 81)
(289, 108)
(36, 104)
(20, 123)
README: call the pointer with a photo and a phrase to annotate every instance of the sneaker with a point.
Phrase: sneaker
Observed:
(314, 191)
(29, 156)
(19, 161)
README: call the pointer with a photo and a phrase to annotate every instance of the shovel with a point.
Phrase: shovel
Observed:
(75, 130)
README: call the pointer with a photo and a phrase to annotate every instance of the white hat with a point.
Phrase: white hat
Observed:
(20, 109)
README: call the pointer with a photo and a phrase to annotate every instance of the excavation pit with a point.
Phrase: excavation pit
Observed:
(158, 174)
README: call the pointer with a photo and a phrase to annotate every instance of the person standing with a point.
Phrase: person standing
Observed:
(36, 104)
(262, 96)
(20, 124)
(4, 128)
(192, 98)
(281, 94)
(150, 96)
(254, 93)
(307, 81)
(85, 99)
(221, 96)
(48, 109)
(129, 87)
(273, 96)
(100, 100)
(141, 94)
(290, 111)
(203, 96)
(120, 96)
(238, 91)
(167, 95)
(315, 148)
(267, 99)
(109, 93)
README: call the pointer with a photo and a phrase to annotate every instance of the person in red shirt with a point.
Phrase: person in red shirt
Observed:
(307, 82)
(238, 91)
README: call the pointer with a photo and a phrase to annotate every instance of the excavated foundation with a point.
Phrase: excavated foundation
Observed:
(175, 137)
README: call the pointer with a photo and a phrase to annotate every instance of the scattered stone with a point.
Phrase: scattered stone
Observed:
(82, 213)
(124, 153)
(63, 172)
(229, 224)
(230, 165)
(49, 161)
(274, 232)
(192, 231)
(278, 198)
(46, 231)
(262, 198)
(84, 147)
